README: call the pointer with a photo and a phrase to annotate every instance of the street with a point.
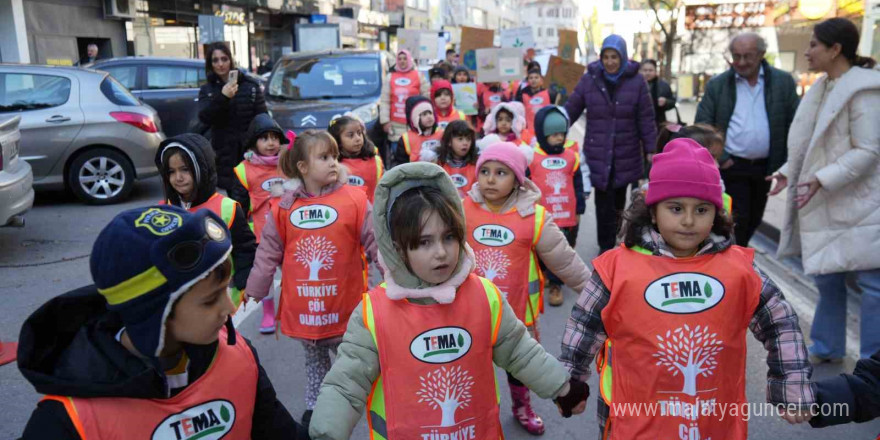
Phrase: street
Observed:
(50, 256)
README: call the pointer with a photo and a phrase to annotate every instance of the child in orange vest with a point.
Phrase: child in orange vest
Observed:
(489, 95)
(444, 104)
(509, 230)
(420, 348)
(148, 350)
(423, 130)
(318, 233)
(535, 96)
(457, 154)
(189, 177)
(507, 120)
(668, 311)
(357, 153)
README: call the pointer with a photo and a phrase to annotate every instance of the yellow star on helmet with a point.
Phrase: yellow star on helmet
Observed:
(161, 220)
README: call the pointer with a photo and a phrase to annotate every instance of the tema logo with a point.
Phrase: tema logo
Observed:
(684, 292)
(493, 235)
(355, 180)
(402, 82)
(159, 221)
(495, 98)
(458, 180)
(431, 143)
(268, 183)
(442, 125)
(537, 100)
(554, 163)
(441, 345)
(313, 216)
(208, 421)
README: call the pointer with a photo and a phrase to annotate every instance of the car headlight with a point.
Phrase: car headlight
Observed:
(367, 113)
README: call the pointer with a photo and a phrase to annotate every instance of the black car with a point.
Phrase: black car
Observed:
(308, 89)
(169, 85)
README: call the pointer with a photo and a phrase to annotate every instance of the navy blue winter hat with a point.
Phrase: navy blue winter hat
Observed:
(147, 258)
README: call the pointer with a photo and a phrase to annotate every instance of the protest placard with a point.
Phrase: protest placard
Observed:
(568, 44)
(465, 97)
(495, 65)
(563, 75)
(471, 40)
(409, 39)
(518, 37)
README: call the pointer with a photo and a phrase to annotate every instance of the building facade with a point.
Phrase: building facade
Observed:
(548, 16)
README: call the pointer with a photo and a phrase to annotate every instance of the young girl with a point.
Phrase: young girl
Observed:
(423, 130)
(668, 311)
(507, 120)
(489, 95)
(189, 180)
(318, 234)
(444, 104)
(357, 153)
(509, 230)
(457, 155)
(460, 75)
(419, 350)
(258, 182)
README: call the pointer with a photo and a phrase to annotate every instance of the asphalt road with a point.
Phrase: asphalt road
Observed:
(50, 256)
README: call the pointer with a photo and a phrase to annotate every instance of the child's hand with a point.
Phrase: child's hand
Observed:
(575, 400)
(797, 416)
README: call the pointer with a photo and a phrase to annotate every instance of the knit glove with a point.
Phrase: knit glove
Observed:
(578, 392)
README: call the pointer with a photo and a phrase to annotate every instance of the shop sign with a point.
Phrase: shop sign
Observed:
(231, 15)
(348, 27)
(373, 18)
(369, 32)
(728, 15)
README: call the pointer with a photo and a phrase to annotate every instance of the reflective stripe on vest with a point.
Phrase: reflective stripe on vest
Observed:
(728, 202)
(258, 180)
(414, 142)
(377, 416)
(364, 173)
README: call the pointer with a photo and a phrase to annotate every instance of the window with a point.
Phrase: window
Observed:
(116, 93)
(24, 91)
(539, 32)
(172, 77)
(551, 32)
(540, 11)
(126, 75)
(327, 78)
(411, 3)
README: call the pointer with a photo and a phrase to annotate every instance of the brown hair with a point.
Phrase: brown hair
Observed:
(704, 134)
(337, 126)
(844, 32)
(411, 210)
(209, 55)
(639, 216)
(301, 149)
(453, 130)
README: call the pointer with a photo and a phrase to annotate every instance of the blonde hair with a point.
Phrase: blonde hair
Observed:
(306, 143)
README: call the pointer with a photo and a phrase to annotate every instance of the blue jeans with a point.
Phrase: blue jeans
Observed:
(829, 325)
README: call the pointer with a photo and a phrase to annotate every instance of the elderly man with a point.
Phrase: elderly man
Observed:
(753, 104)
(91, 55)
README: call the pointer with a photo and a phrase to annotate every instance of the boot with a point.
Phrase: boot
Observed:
(522, 410)
(267, 325)
(554, 295)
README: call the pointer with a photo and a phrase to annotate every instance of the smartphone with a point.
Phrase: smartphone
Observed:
(233, 77)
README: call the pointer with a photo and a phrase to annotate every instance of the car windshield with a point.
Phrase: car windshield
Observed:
(326, 78)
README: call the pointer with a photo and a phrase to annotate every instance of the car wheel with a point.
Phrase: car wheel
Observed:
(100, 176)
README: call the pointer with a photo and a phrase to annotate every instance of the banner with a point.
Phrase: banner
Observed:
(518, 37)
(568, 44)
(471, 40)
(409, 39)
(466, 97)
(496, 65)
(429, 45)
(563, 75)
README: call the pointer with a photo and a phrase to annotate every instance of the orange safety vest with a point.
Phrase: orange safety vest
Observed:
(463, 178)
(553, 173)
(258, 181)
(324, 272)
(676, 340)
(414, 142)
(436, 371)
(454, 115)
(504, 246)
(364, 173)
(533, 103)
(403, 85)
(209, 408)
(490, 100)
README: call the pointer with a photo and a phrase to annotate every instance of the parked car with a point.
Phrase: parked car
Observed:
(16, 178)
(309, 89)
(169, 85)
(80, 130)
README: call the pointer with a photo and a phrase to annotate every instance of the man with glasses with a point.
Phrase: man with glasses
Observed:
(753, 104)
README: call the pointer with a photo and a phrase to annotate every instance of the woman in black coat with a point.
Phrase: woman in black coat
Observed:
(661, 93)
(228, 109)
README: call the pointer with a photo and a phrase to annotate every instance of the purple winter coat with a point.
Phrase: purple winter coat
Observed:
(619, 127)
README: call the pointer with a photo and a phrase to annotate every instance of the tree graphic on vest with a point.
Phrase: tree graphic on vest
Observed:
(690, 352)
(315, 252)
(556, 180)
(493, 263)
(447, 389)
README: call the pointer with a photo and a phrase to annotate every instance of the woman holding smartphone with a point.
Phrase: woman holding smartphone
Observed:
(228, 103)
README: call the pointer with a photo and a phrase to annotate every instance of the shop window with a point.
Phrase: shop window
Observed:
(126, 75)
(172, 77)
(21, 91)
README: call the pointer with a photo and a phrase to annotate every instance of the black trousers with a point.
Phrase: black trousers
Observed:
(571, 235)
(609, 206)
(745, 182)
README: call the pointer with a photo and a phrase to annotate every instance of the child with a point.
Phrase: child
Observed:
(149, 351)
(318, 234)
(258, 182)
(669, 309)
(859, 391)
(461, 75)
(423, 130)
(419, 350)
(507, 120)
(189, 177)
(509, 231)
(489, 95)
(437, 73)
(444, 104)
(557, 172)
(534, 96)
(457, 155)
(357, 153)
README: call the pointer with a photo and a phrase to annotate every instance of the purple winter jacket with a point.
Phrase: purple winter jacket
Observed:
(619, 126)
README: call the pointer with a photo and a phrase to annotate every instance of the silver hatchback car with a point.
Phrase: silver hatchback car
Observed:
(80, 130)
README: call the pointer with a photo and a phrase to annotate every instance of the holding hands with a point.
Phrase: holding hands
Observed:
(575, 400)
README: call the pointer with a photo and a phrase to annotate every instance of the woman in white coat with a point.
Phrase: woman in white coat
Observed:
(832, 218)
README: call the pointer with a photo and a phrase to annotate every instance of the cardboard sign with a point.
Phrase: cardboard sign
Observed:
(563, 75)
(471, 40)
(429, 43)
(521, 37)
(409, 39)
(465, 97)
(495, 65)
(568, 44)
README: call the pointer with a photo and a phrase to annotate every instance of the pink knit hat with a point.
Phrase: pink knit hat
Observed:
(684, 169)
(508, 154)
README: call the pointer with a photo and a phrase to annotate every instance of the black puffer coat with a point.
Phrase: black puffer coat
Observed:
(229, 120)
